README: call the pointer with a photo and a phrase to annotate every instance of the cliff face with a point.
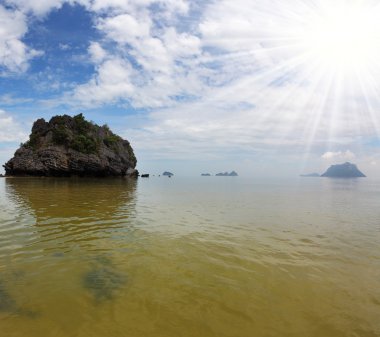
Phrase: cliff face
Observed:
(346, 170)
(67, 146)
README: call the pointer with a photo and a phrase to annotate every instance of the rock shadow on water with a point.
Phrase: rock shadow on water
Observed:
(103, 280)
(58, 254)
(8, 304)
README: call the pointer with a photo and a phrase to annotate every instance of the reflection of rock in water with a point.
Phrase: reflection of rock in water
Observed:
(104, 280)
(103, 260)
(69, 211)
(51, 198)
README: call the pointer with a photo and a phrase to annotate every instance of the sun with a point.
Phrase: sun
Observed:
(343, 37)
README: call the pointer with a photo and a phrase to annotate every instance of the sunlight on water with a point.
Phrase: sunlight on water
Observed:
(189, 257)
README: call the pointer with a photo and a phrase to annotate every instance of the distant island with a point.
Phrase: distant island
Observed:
(206, 175)
(166, 173)
(346, 170)
(67, 146)
(310, 175)
(226, 174)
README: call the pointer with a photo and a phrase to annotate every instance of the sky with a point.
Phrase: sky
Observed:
(264, 87)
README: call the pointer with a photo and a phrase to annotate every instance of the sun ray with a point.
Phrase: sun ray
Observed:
(314, 57)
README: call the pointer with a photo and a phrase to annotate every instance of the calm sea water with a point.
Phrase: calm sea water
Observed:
(199, 257)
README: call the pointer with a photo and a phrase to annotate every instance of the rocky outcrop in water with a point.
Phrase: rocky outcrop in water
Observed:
(67, 146)
(166, 173)
(226, 174)
(346, 170)
(310, 175)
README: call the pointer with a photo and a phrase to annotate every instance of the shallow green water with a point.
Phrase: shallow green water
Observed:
(215, 256)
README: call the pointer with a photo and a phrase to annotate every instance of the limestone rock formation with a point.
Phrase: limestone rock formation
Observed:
(346, 170)
(67, 146)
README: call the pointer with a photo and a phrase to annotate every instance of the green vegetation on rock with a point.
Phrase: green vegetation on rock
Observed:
(82, 137)
(84, 144)
(60, 135)
(131, 153)
(81, 125)
(111, 139)
(33, 141)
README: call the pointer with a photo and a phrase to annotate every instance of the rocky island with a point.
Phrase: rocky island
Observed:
(310, 175)
(72, 146)
(346, 170)
(226, 174)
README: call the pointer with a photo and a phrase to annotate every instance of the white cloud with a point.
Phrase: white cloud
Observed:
(10, 130)
(251, 26)
(339, 155)
(181, 45)
(112, 81)
(14, 54)
(8, 99)
(36, 7)
(64, 46)
(6, 154)
(161, 59)
(170, 6)
(97, 53)
(125, 28)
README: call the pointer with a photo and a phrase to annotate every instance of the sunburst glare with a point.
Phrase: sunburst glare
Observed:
(343, 37)
(320, 64)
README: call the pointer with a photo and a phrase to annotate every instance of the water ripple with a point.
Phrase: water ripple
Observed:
(188, 258)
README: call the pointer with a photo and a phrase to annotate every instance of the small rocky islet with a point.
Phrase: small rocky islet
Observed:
(310, 175)
(226, 174)
(72, 146)
(346, 170)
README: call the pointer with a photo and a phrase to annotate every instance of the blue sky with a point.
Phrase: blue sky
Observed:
(259, 87)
